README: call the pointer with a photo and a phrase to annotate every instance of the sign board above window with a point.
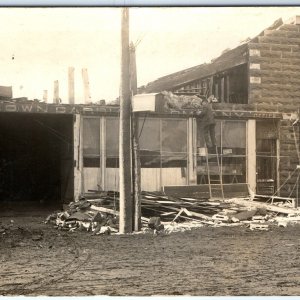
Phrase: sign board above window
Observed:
(154, 102)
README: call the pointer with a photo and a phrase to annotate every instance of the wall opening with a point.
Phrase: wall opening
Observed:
(36, 159)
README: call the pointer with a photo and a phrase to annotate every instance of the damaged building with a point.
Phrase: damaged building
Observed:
(58, 152)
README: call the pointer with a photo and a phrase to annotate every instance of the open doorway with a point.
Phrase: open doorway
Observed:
(36, 159)
(266, 157)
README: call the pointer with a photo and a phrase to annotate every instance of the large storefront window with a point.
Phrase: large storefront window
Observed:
(112, 142)
(163, 152)
(231, 146)
(91, 142)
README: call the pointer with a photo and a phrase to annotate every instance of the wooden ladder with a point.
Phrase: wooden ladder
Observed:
(215, 184)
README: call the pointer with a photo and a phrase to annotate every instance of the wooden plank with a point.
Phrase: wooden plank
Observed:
(105, 210)
(269, 207)
(202, 191)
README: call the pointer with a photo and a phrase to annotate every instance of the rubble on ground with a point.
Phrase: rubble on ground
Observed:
(98, 213)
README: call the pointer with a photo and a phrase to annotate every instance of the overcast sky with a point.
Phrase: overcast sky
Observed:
(39, 44)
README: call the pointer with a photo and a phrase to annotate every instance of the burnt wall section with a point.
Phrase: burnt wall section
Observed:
(274, 81)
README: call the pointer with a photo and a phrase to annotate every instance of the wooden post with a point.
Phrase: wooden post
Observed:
(136, 174)
(78, 164)
(227, 89)
(192, 176)
(45, 96)
(251, 154)
(56, 92)
(86, 86)
(222, 96)
(71, 85)
(125, 223)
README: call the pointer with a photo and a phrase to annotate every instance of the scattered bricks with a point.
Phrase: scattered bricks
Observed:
(259, 226)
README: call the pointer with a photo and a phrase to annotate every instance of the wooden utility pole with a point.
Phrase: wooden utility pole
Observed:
(86, 86)
(125, 223)
(71, 85)
(136, 174)
(56, 92)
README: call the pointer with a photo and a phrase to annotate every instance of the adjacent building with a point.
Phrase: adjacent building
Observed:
(57, 152)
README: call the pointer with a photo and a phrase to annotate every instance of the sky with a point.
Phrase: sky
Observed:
(39, 44)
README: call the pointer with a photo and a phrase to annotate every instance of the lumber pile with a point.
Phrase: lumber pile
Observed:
(99, 213)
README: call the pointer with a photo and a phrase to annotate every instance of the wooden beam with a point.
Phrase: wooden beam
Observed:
(71, 85)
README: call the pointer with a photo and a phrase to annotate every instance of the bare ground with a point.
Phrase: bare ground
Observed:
(205, 261)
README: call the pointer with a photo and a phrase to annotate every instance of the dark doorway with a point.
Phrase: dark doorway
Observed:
(266, 157)
(36, 158)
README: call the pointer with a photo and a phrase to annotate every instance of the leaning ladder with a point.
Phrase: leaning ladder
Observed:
(215, 185)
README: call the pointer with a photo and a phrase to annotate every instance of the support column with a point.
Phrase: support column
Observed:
(192, 150)
(251, 154)
(125, 225)
(78, 165)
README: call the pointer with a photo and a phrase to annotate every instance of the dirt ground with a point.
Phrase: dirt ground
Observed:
(37, 259)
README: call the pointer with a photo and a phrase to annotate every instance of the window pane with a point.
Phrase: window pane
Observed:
(149, 134)
(174, 136)
(112, 137)
(234, 134)
(91, 136)
(149, 142)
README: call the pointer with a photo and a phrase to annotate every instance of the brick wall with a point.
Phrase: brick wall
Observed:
(274, 82)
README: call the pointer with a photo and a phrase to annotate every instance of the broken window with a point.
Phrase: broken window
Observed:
(163, 146)
(231, 86)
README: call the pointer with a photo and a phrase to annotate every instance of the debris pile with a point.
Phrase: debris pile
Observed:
(82, 215)
(99, 213)
(185, 102)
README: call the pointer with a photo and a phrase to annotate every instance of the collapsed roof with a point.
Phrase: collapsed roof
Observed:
(227, 60)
